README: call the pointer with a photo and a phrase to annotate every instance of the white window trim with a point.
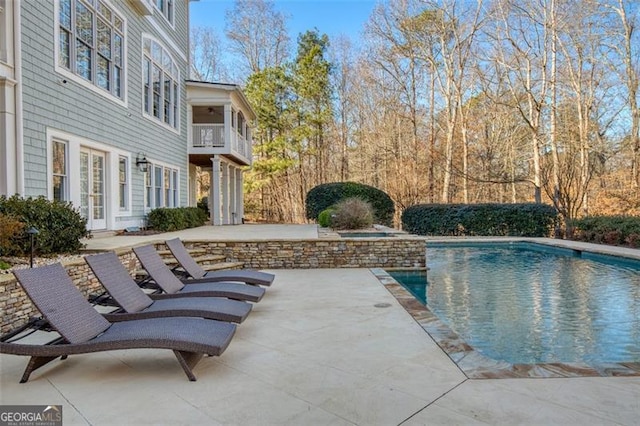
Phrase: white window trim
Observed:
(152, 164)
(74, 145)
(127, 210)
(69, 75)
(65, 189)
(179, 80)
(156, 10)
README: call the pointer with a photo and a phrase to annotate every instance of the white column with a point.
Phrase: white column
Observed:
(224, 188)
(192, 186)
(8, 154)
(11, 152)
(232, 195)
(214, 192)
(227, 126)
(189, 127)
(239, 195)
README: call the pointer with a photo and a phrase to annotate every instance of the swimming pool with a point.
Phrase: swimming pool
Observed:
(526, 303)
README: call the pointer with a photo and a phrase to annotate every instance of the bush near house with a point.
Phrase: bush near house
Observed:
(523, 220)
(326, 195)
(60, 226)
(174, 219)
(11, 230)
(324, 218)
(352, 213)
(203, 204)
(613, 230)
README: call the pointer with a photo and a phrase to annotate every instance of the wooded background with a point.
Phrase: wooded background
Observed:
(440, 102)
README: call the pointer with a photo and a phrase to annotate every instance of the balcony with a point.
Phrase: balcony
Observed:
(219, 117)
(209, 139)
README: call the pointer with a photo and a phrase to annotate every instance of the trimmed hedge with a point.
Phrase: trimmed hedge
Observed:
(613, 230)
(174, 219)
(60, 226)
(523, 220)
(326, 195)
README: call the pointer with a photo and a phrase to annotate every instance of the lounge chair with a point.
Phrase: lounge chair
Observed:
(173, 287)
(137, 305)
(196, 274)
(84, 330)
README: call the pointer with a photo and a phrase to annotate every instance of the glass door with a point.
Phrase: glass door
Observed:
(92, 188)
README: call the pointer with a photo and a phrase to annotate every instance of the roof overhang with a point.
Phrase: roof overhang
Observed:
(227, 87)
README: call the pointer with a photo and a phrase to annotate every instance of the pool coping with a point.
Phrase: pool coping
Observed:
(475, 365)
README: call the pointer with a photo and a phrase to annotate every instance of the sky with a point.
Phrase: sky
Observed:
(331, 17)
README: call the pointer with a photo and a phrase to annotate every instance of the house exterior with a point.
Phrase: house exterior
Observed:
(96, 108)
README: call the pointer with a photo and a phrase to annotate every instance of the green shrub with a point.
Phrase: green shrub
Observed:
(324, 218)
(203, 204)
(525, 219)
(60, 226)
(326, 195)
(352, 213)
(174, 219)
(613, 230)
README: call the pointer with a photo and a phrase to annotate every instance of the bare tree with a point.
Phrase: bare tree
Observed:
(206, 55)
(626, 45)
(258, 34)
(343, 79)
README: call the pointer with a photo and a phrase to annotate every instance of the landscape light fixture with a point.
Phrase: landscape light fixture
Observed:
(142, 163)
(32, 232)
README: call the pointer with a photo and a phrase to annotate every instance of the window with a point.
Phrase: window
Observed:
(166, 8)
(161, 187)
(123, 182)
(91, 43)
(174, 188)
(160, 78)
(147, 189)
(60, 173)
(157, 186)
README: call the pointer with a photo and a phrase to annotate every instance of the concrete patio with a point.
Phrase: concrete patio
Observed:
(315, 350)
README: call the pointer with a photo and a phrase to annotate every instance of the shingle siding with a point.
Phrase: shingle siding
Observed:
(77, 110)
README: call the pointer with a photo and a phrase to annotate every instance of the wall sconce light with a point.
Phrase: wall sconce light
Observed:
(142, 163)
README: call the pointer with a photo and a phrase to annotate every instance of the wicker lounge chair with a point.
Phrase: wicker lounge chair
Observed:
(137, 305)
(84, 330)
(196, 274)
(173, 287)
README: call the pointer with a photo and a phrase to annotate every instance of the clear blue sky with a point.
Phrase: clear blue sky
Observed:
(332, 17)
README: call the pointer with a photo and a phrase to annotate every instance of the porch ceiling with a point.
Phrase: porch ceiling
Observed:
(204, 160)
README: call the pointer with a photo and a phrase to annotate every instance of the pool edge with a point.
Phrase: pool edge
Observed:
(477, 366)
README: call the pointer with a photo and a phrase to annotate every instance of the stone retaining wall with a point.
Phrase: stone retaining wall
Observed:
(16, 309)
(324, 253)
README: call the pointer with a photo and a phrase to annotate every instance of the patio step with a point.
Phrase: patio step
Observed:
(141, 274)
(207, 259)
(193, 252)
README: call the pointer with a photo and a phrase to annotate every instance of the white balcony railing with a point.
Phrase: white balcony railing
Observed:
(208, 136)
(212, 136)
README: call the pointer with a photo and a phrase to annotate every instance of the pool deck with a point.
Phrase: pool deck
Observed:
(315, 350)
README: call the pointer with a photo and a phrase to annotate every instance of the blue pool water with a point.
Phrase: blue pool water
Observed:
(527, 303)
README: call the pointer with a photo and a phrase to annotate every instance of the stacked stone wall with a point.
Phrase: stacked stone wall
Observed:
(16, 308)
